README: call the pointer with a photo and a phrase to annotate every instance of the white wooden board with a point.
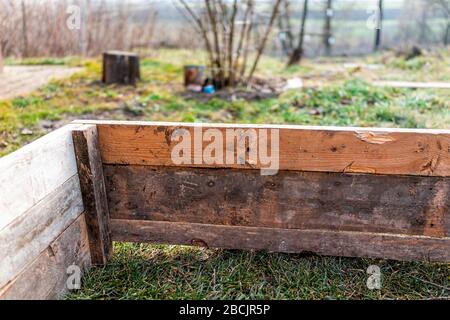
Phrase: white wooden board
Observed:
(33, 172)
(24, 240)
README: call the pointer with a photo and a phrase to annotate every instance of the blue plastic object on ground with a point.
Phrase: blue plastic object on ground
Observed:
(209, 89)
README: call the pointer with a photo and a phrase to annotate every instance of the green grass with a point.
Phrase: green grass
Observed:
(174, 272)
(45, 61)
(140, 271)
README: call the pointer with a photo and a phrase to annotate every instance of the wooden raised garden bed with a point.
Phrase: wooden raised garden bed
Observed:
(352, 192)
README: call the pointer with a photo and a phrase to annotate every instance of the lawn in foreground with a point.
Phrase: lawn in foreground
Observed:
(142, 271)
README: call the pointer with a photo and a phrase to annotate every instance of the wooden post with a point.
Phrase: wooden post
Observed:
(90, 171)
(120, 67)
(379, 28)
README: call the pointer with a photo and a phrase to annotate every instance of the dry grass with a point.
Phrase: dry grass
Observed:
(36, 29)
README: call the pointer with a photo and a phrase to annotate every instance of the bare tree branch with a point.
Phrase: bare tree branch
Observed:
(230, 42)
(264, 40)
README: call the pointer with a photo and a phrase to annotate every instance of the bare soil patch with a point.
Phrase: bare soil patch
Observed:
(19, 80)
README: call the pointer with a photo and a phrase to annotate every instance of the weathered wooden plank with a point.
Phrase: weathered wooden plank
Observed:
(46, 276)
(324, 149)
(90, 172)
(412, 85)
(33, 172)
(22, 241)
(333, 243)
(290, 200)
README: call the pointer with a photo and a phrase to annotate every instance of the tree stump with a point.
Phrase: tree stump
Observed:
(121, 67)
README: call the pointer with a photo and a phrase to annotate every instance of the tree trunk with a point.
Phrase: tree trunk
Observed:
(121, 67)
(1, 58)
(379, 28)
(327, 29)
(424, 24)
(285, 26)
(262, 45)
(447, 35)
(24, 30)
(297, 54)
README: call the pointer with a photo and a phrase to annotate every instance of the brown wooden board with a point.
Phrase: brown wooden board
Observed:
(408, 205)
(339, 191)
(90, 171)
(413, 85)
(323, 149)
(333, 243)
(46, 277)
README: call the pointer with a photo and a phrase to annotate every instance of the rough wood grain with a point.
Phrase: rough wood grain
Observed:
(22, 241)
(291, 200)
(46, 276)
(90, 172)
(120, 67)
(333, 243)
(30, 174)
(324, 149)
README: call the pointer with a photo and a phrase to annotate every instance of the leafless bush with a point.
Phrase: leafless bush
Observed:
(234, 35)
(444, 7)
(419, 26)
(291, 42)
(39, 28)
